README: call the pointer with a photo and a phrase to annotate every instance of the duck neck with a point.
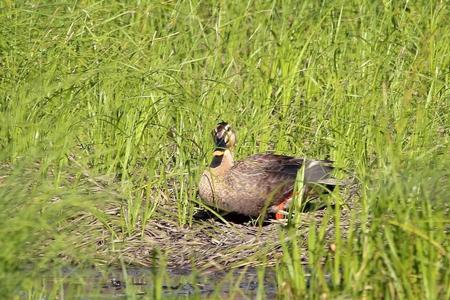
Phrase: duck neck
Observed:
(222, 162)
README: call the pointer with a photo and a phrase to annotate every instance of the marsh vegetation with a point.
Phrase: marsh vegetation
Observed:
(106, 109)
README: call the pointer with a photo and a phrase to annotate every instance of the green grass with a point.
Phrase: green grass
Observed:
(105, 102)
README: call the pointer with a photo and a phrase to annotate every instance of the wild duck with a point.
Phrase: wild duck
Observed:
(260, 183)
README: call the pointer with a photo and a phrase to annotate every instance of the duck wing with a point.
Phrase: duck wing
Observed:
(279, 172)
(265, 176)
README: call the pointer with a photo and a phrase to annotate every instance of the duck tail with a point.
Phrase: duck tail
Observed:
(320, 172)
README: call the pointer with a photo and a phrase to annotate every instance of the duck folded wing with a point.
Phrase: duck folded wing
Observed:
(266, 176)
(273, 171)
(268, 167)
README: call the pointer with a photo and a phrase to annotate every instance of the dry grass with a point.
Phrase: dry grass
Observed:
(208, 243)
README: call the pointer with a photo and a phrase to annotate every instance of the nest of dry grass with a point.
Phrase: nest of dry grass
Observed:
(209, 243)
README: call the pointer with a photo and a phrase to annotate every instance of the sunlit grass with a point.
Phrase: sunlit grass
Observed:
(111, 103)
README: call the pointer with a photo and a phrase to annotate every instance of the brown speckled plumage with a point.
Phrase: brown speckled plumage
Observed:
(257, 184)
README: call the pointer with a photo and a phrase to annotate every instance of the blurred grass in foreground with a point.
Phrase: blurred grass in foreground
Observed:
(128, 93)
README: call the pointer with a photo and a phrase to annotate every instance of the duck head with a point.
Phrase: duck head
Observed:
(224, 137)
(224, 140)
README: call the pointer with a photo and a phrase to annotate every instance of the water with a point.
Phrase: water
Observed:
(142, 282)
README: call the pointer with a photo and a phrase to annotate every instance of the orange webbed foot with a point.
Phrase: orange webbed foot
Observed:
(279, 208)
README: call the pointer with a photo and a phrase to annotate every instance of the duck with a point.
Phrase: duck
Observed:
(262, 184)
